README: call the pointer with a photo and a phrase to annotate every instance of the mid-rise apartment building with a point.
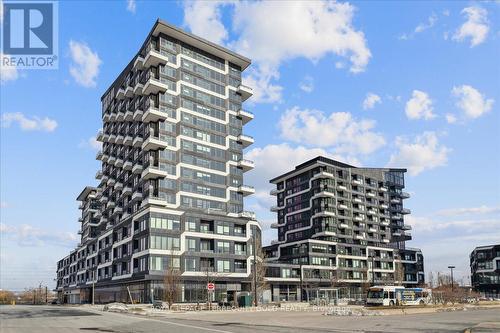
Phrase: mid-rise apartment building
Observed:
(485, 270)
(340, 228)
(170, 187)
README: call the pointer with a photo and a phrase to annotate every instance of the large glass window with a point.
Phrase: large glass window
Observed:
(223, 266)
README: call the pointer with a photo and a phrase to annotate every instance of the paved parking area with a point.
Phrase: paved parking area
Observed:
(81, 319)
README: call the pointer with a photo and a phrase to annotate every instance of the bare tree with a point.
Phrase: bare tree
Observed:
(430, 281)
(171, 285)
(258, 271)
(399, 273)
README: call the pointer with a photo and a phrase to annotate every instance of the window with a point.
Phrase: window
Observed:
(286, 273)
(191, 244)
(190, 264)
(223, 229)
(223, 266)
(222, 247)
(190, 225)
(165, 222)
(239, 249)
(164, 243)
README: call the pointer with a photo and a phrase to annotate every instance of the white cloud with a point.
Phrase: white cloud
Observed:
(299, 29)
(7, 73)
(204, 19)
(28, 124)
(370, 100)
(307, 84)
(475, 27)
(424, 153)
(131, 6)
(451, 118)
(28, 235)
(91, 143)
(419, 106)
(472, 103)
(427, 224)
(469, 211)
(338, 130)
(85, 66)
(426, 25)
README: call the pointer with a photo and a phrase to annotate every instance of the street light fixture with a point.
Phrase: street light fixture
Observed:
(451, 269)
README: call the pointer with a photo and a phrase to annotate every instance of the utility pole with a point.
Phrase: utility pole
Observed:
(451, 269)
(255, 266)
(46, 299)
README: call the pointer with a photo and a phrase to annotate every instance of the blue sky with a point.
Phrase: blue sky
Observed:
(407, 84)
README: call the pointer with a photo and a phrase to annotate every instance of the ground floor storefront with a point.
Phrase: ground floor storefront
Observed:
(188, 291)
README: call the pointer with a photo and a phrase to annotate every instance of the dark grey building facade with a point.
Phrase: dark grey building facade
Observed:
(485, 270)
(170, 188)
(340, 227)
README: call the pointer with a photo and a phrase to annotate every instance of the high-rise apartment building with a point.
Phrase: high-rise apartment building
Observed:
(170, 191)
(340, 227)
(485, 270)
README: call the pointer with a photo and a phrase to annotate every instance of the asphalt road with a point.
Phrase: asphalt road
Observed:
(20, 319)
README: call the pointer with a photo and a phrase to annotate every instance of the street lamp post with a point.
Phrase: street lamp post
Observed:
(452, 283)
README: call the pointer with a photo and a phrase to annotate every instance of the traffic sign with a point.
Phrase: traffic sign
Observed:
(210, 286)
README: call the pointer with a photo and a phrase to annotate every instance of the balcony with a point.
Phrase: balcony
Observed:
(154, 143)
(247, 214)
(153, 172)
(245, 92)
(129, 91)
(405, 211)
(98, 174)
(137, 168)
(121, 93)
(137, 141)
(372, 229)
(359, 218)
(154, 114)
(370, 194)
(153, 57)
(118, 163)
(405, 195)
(275, 225)
(324, 213)
(246, 165)
(154, 201)
(153, 86)
(246, 140)
(98, 156)
(127, 165)
(357, 182)
(342, 206)
(100, 136)
(383, 188)
(246, 190)
(275, 191)
(118, 186)
(342, 187)
(137, 115)
(127, 190)
(406, 227)
(245, 116)
(138, 62)
(128, 140)
(129, 115)
(276, 208)
(137, 196)
(344, 226)
(119, 139)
